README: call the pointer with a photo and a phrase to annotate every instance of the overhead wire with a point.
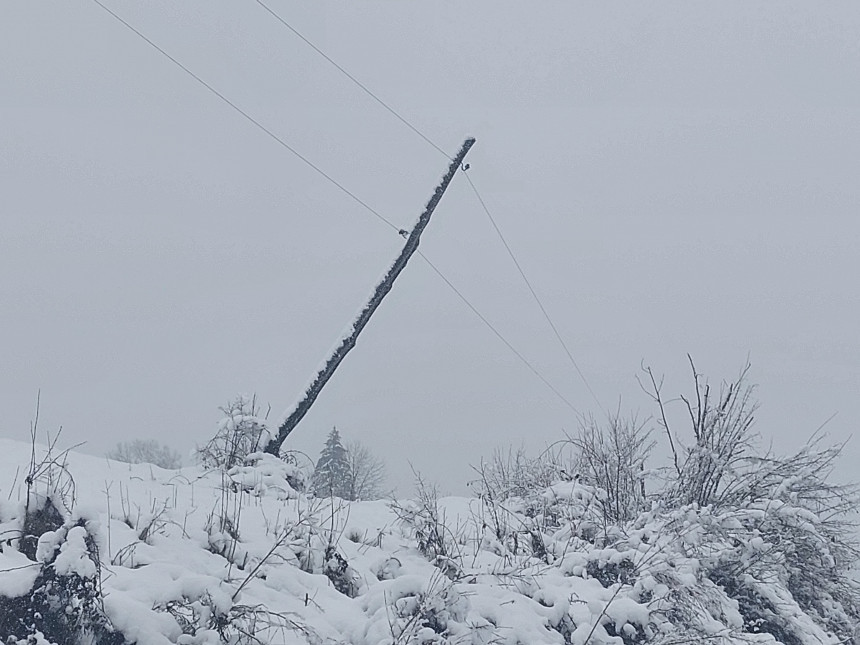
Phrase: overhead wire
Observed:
(280, 141)
(250, 118)
(352, 78)
(427, 139)
(498, 334)
(534, 293)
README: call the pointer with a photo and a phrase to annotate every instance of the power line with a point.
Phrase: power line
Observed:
(533, 292)
(498, 334)
(249, 118)
(328, 177)
(352, 78)
(403, 120)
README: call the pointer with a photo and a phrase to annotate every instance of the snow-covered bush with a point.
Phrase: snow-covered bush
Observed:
(418, 612)
(773, 532)
(528, 524)
(146, 451)
(570, 552)
(53, 593)
(337, 569)
(424, 518)
(64, 603)
(612, 458)
(726, 543)
(515, 474)
(722, 439)
(214, 619)
(790, 528)
(241, 432)
(262, 474)
(518, 500)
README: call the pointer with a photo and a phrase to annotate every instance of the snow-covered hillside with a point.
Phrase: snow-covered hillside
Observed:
(107, 552)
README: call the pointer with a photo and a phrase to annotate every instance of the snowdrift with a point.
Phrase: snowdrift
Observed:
(96, 551)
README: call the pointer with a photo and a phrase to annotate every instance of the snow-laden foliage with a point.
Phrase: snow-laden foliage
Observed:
(551, 550)
(331, 475)
(146, 451)
(50, 583)
(613, 457)
(241, 432)
(541, 567)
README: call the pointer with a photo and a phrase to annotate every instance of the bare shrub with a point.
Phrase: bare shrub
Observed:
(613, 459)
(366, 473)
(146, 451)
(765, 518)
(728, 543)
(428, 524)
(515, 474)
(524, 498)
(797, 524)
(50, 490)
(240, 433)
(723, 438)
(224, 520)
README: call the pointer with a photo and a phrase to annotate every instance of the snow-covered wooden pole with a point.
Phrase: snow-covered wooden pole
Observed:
(382, 289)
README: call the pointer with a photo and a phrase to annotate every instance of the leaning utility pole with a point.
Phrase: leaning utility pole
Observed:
(302, 407)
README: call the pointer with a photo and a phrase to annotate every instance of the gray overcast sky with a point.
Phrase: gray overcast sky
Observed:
(673, 177)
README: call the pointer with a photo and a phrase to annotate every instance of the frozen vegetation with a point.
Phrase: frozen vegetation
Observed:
(585, 543)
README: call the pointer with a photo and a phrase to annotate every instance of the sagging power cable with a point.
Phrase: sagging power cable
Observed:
(498, 334)
(337, 184)
(429, 141)
(533, 292)
(352, 78)
(249, 118)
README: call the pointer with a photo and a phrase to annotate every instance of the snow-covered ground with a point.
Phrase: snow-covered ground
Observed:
(191, 556)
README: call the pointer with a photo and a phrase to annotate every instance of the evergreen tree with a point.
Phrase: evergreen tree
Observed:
(331, 475)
